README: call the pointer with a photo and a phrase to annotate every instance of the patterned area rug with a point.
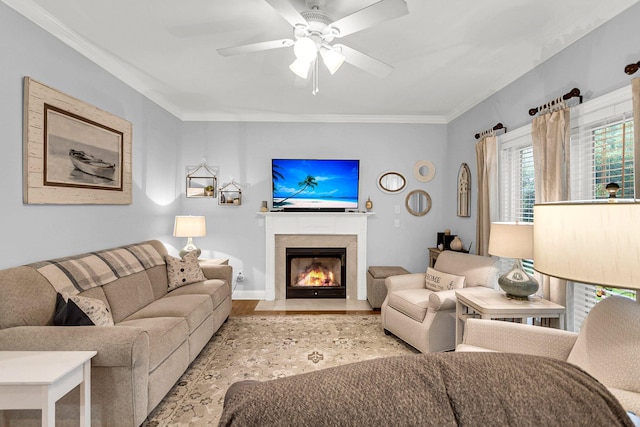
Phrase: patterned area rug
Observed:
(269, 347)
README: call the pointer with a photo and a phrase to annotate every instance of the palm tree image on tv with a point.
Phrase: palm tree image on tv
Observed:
(315, 184)
(308, 182)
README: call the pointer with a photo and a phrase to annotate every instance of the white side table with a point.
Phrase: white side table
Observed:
(489, 303)
(37, 379)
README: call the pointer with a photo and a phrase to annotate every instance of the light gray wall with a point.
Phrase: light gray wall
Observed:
(35, 232)
(244, 151)
(594, 64)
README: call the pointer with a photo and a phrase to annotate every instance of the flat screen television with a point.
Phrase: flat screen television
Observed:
(315, 185)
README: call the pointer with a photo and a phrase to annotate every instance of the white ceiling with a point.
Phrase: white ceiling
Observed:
(448, 55)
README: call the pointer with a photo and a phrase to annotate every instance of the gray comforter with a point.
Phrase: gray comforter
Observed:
(443, 389)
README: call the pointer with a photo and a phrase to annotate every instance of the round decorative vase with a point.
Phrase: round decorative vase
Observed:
(517, 283)
(456, 244)
(368, 204)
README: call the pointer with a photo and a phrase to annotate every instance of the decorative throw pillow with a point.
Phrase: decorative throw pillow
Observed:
(183, 271)
(81, 311)
(439, 281)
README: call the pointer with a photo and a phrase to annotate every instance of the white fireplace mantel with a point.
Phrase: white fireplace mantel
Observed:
(321, 223)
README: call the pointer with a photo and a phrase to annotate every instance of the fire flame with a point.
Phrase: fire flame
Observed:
(316, 276)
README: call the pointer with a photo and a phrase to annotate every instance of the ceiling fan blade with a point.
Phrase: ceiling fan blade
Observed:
(288, 12)
(255, 47)
(364, 62)
(381, 11)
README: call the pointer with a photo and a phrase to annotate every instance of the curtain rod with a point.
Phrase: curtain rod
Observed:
(496, 127)
(632, 68)
(573, 93)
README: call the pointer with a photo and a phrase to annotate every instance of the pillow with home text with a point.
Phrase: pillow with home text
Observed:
(439, 281)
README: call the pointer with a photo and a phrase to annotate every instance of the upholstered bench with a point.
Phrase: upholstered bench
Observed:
(376, 290)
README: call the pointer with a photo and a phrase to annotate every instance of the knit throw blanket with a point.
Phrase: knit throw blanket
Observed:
(435, 389)
(72, 275)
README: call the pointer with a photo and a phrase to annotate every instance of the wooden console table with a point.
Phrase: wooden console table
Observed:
(489, 303)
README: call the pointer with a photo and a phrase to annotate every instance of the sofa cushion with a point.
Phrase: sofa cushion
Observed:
(217, 289)
(438, 281)
(166, 334)
(81, 311)
(128, 295)
(194, 308)
(410, 302)
(184, 271)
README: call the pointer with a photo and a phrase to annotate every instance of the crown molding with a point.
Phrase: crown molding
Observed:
(310, 118)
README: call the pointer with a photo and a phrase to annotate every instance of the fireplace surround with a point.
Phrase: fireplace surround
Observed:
(316, 229)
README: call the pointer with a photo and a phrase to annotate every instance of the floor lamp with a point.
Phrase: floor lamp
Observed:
(589, 242)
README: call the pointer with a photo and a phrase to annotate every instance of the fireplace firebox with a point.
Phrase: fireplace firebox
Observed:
(316, 272)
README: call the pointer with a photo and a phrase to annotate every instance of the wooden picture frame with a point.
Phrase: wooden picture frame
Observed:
(74, 153)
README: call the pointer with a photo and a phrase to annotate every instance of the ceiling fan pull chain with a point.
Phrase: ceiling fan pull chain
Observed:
(315, 77)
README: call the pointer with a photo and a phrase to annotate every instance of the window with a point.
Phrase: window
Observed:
(515, 175)
(601, 152)
(516, 185)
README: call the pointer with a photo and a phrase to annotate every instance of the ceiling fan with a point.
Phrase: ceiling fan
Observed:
(314, 30)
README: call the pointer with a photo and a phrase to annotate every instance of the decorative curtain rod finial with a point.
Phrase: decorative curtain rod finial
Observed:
(493, 129)
(632, 68)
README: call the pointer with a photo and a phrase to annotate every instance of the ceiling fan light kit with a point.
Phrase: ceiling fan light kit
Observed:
(300, 68)
(314, 31)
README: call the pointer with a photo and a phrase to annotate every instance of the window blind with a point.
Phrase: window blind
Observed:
(515, 165)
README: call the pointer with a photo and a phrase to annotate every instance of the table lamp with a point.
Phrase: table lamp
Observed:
(589, 242)
(514, 240)
(190, 227)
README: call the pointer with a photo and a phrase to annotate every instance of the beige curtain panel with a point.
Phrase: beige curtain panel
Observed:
(487, 163)
(550, 133)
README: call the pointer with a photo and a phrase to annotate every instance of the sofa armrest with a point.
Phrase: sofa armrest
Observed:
(518, 338)
(442, 300)
(222, 272)
(405, 281)
(121, 346)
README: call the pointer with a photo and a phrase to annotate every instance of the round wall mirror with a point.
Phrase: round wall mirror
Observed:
(418, 202)
(391, 182)
(424, 170)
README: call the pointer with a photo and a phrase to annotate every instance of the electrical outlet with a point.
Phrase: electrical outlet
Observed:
(397, 211)
(396, 223)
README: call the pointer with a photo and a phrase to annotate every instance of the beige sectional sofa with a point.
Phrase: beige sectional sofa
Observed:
(157, 334)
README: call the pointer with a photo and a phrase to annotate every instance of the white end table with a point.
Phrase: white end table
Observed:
(37, 379)
(488, 303)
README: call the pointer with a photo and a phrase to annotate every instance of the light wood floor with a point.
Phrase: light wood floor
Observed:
(248, 308)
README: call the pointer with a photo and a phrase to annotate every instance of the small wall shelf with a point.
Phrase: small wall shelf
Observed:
(202, 181)
(230, 194)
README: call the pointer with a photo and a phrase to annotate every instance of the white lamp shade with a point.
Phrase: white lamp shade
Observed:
(305, 49)
(596, 243)
(511, 240)
(300, 68)
(190, 226)
(332, 59)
